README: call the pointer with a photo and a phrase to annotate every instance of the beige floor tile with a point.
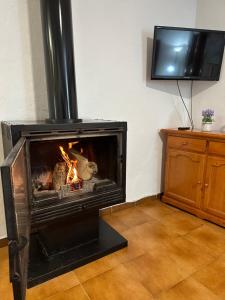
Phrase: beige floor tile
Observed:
(116, 284)
(182, 223)
(156, 271)
(33, 296)
(115, 222)
(155, 202)
(170, 206)
(96, 267)
(132, 216)
(122, 206)
(147, 201)
(130, 252)
(215, 226)
(75, 293)
(157, 211)
(213, 276)
(209, 236)
(149, 235)
(4, 253)
(53, 286)
(188, 289)
(5, 288)
(189, 256)
(4, 265)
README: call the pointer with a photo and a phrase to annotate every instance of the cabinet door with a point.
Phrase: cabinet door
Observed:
(14, 181)
(184, 176)
(214, 199)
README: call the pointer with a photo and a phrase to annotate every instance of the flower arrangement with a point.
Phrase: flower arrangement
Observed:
(207, 115)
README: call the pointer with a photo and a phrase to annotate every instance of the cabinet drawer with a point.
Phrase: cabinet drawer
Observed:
(217, 148)
(187, 143)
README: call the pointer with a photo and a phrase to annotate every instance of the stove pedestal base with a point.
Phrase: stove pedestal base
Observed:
(41, 270)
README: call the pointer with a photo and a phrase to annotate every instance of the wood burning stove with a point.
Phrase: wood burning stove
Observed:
(53, 224)
(58, 173)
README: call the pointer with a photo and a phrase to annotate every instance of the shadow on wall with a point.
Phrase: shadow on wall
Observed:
(37, 57)
(200, 86)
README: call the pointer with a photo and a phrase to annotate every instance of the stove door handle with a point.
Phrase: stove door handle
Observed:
(14, 249)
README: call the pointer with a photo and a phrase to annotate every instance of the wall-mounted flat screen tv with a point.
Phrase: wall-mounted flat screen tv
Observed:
(187, 53)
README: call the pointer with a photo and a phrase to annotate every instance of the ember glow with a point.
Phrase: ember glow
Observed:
(72, 176)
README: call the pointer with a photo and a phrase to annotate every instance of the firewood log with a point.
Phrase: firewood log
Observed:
(85, 168)
(59, 175)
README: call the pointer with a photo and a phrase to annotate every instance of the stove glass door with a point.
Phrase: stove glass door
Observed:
(15, 192)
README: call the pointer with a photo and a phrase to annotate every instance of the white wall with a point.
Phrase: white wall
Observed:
(110, 51)
(210, 15)
(22, 82)
(111, 38)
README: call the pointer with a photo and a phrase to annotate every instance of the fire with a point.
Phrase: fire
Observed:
(72, 176)
(70, 145)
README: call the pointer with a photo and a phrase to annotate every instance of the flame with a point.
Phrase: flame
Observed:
(70, 145)
(72, 175)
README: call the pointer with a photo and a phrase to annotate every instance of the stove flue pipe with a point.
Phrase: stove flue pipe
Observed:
(59, 60)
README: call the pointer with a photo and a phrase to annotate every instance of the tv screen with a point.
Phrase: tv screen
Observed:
(187, 54)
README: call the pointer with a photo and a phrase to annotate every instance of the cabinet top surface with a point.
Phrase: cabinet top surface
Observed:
(194, 133)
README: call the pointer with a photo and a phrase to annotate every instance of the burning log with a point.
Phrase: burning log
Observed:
(59, 175)
(73, 171)
(72, 177)
(42, 180)
(85, 168)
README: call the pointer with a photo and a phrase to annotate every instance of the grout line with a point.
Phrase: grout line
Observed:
(190, 231)
(200, 267)
(85, 292)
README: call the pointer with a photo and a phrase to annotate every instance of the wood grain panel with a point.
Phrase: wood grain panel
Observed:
(184, 176)
(214, 200)
(216, 148)
(186, 143)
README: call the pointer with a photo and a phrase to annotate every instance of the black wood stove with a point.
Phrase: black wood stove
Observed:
(58, 173)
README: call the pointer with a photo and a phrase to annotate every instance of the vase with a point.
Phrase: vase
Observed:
(207, 126)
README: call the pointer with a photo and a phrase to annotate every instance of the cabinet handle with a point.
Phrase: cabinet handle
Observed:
(206, 185)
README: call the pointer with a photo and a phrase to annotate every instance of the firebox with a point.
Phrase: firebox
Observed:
(73, 167)
(55, 179)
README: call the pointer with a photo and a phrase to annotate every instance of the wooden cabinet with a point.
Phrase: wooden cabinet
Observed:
(184, 143)
(194, 177)
(184, 176)
(214, 199)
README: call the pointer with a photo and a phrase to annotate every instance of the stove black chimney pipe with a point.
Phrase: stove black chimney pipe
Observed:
(59, 60)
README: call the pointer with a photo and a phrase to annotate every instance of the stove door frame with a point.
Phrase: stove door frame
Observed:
(17, 212)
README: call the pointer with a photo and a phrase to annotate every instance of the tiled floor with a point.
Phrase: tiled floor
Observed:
(171, 255)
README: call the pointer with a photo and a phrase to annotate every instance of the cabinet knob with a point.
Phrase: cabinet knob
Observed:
(199, 182)
(206, 185)
(184, 143)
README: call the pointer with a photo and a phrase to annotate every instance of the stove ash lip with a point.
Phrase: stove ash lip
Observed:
(57, 31)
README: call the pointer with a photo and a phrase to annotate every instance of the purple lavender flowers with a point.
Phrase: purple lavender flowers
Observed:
(207, 115)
